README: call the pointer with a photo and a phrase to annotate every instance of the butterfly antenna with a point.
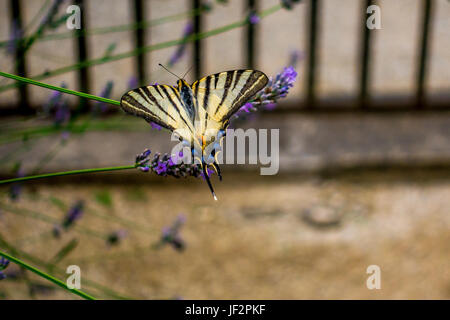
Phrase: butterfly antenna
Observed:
(205, 173)
(169, 71)
(188, 71)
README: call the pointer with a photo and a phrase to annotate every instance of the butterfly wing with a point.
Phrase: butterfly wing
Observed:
(222, 94)
(162, 105)
(218, 97)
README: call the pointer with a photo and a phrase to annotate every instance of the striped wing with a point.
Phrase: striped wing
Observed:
(222, 94)
(160, 104)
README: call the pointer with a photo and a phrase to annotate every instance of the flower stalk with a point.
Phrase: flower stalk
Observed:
(46, 276)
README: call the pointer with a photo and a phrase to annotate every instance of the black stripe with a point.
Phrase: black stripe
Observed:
(176, 93)
(155, 101)
(196, 89)
(216, 80)
(225, 91)
(175, 106)
(145, 112)
(160, 93)
(147, 94)
(138, 105)
(238, 77)
(205, 100)
(250, 81)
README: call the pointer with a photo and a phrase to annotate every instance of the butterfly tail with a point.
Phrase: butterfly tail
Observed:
(205, 173)
(217, 168)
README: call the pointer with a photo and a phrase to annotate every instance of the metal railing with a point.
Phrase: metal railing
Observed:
(311, 102)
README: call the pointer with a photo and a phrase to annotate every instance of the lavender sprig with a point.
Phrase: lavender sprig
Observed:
(275, 89)
(166, 165)
(75, 213)
(55, 98)
(181, 49)
(253, 18)
(132, 82)
(171, 235)
(100, 107)
(295, 57)
(58, 106)
(3, 265)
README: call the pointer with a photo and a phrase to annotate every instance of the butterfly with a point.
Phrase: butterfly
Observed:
(199, 113)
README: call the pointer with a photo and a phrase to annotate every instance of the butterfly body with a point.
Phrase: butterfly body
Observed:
(198, 113)
(187, 97)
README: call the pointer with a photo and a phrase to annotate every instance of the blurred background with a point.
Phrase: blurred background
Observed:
(364, 151)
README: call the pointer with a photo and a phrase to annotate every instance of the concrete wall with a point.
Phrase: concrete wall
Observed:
(307, 143)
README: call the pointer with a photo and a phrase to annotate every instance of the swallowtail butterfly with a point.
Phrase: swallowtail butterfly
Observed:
(199, 113)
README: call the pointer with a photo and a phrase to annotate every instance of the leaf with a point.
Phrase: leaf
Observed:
(64, 251)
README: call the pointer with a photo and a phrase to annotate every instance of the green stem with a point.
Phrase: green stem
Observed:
(46, 276)
(49, 86)
(66, 173)
(109, 292)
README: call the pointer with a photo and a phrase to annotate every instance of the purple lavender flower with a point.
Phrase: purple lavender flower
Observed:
(275, 89)
(248, 107)
(155, 126)
(181, 49)
(210, 171)
(106, 93)
(295, 57)
(142, 160)
(57, 106)
(115, 237)
(3, 265)
(62, 113)
(253, 18)
(167, 165)
(74, 214)
(171, 235)
(161, 168)
(55, 98)
(132, 82)
(170, 162)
